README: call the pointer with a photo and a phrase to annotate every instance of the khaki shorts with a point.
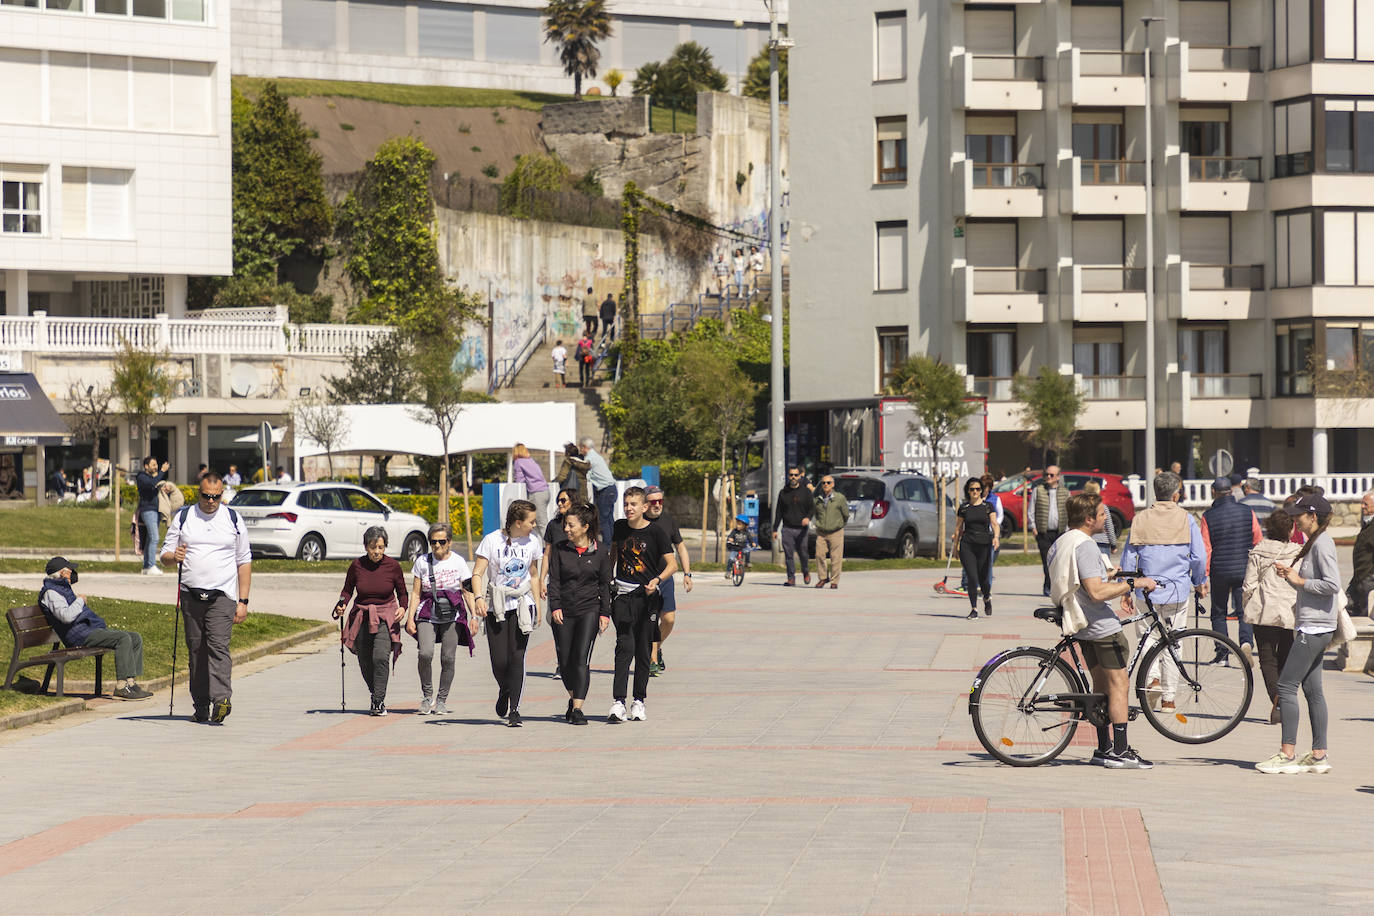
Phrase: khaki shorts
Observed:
(1112, 652)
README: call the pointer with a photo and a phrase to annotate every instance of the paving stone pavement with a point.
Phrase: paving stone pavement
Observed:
(806, 752)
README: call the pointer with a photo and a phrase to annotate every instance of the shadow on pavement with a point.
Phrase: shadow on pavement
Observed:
(1217, 761)
(492, 721)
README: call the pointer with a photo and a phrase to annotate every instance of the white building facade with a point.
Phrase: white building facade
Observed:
(970, 183)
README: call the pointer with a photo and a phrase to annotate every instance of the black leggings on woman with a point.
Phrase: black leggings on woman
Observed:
(977, 562)
(574, 640)
(506, 645)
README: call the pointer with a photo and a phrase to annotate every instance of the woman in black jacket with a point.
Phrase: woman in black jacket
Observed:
(579, 603)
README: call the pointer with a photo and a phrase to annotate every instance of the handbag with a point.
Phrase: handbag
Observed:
(441, 609)
(1345, 629)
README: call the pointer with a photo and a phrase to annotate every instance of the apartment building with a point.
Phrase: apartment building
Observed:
(497, 44)
(969, 182)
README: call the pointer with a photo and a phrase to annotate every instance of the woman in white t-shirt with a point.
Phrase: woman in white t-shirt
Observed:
(511, 560)
(435, 614)
(560, 364)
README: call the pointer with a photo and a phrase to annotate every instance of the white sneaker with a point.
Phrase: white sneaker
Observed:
(617, 713)
(426, 706)
(637, 711)
(151, 571)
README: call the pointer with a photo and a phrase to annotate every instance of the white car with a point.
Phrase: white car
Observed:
(311, 521)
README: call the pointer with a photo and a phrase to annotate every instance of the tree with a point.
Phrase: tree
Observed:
(720, 396)
(613, 79)
(1051, 406)
(384, 373)
(937, 393)
(533, 172)
(576, 26)
(322, 422)
(142, 386)
(756, 77)
(91, 406)
(676, 81)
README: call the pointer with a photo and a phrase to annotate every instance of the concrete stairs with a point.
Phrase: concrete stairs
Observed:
(535, 382)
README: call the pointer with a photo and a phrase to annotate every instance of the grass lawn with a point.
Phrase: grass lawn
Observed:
(399, 94)
(860, 564)
(661, 121)
(154, 622)
(12, 701)
(62, 527)
(36, 564)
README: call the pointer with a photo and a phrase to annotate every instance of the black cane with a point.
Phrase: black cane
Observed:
(342, 707)
(176, 634)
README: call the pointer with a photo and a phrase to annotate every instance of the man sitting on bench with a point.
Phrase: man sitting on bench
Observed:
(78, 626)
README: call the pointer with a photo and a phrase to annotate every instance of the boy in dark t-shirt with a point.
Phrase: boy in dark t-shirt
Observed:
(641, 557)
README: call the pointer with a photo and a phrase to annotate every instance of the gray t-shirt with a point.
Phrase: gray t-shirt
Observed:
(1102, 620)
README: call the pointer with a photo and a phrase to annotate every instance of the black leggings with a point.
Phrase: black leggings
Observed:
(1274, 644)
(634, 631)
(977, 563)
(374, 658)
(574, 639)
(506, 645)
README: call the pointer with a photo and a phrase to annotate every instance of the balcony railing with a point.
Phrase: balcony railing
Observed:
(1112, 171)
(1226, 276)
(1008, 67)
(1290, 164)
(1114, 387)
(1224, 57)
(1113, 279)
(1225, 385)
(1008, 175)
(1224, 168)
(1111, 63)
(993, 387)
(1008, 280)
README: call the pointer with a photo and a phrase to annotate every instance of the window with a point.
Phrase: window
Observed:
(1293, 138)
(1332, 357)
(358, 501)
(1292, 249)
(1349, 135)
(1349, 29)
(990, 144)
(376, 28)
(95, 203)
(889, 46)
(21, 199)
(21, 75)
(1292, 32)
(991, 358)
(1097, 357)
(1345, 246)
(892, 353)
(915, 490)
(1205, 131)
(1204, 350)
(514, 35)
(891, 256)
(1098, 141)
(857, 488)
(891, 150)
(446, 31)
(1293, 359)
(252, 497)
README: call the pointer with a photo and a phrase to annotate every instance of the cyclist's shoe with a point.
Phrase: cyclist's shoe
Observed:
(1279, 764)
(1128, 760)
(1312, 764)
(1099, 758)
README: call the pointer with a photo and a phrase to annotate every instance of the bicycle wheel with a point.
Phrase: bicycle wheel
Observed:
(737, 572)
(1211, 684)
(1009, 722)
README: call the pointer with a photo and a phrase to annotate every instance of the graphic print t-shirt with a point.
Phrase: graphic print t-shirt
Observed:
(449, 574)
(509, 565)
(639, 552)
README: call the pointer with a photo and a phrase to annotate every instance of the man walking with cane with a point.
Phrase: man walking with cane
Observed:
(210, 543)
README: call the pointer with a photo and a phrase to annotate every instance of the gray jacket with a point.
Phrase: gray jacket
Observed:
(1319, 601)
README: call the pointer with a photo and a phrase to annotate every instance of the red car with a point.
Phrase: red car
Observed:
(1114, 493)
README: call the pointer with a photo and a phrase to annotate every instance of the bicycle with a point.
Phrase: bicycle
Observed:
(737, 566)
(1026, 703)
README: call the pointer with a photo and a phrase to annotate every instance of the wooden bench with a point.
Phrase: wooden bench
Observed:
(30, 628)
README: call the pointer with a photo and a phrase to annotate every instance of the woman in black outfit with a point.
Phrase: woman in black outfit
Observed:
(554, 534)
(976, 538)
(579, 603)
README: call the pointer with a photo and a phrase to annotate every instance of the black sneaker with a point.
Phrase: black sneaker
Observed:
(1099, 758)
(987, 608)
(221, 711)
(502, 704)
(1129, 760)
(515, 721)
(378, 709)
(567, 715)
(577, 717)
(973, 614)
(201, 715)
(661, 666)
(132, 693)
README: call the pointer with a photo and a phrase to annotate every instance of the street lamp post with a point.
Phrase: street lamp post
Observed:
(776, 442)
(1150, 418)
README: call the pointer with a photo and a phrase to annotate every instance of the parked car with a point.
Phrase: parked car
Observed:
(312, 521)
(892, 512)
(1114, 493)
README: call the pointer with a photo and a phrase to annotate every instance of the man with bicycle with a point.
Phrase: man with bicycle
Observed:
(1165, 543)
(1078, 575)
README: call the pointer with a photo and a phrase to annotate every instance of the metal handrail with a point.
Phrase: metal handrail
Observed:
(1223, 168)
(1226, 385)
(1008, 67)
(1113, 171)
(1225, 276)
(1008, 279)
(1008, 174)
(1230, 57)
(505, 370)
(1130, 63)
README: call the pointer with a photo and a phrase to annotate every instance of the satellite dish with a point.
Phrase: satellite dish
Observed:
(243, 381)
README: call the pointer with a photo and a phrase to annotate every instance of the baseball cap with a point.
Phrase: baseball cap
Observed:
(1221, 483)
(651, 491)
(1315, 504)
(57, 563)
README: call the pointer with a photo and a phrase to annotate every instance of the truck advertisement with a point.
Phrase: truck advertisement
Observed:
(961, 455)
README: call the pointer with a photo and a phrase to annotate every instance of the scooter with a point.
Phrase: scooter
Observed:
(942, 588)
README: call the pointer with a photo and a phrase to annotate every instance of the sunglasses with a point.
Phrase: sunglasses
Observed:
(655, 502)
(794, 475)
(975, 489)
(211, 496)
(438, 542)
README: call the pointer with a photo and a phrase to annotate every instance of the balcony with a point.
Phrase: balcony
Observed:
(1215, 183)
(1102, 186)
(1112, 401)
(999, 189)
(999, 294)
(1000, 82)
(992, 387)
(1221, 401)
(1216, 291)
(1103, 77)
(1108, 293)
(1312, 302)
(1214, 73)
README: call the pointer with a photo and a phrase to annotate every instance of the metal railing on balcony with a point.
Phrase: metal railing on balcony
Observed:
(1008, 279)
(1008, 67)
(1008, 175)
(1290, 164)
(1224, 168)
(1225, 276)
(1111, 63)
(1114, 387)
(1224, 57)
(1225, 385)
(1112, 171)
(1113, 279)
(993, 387)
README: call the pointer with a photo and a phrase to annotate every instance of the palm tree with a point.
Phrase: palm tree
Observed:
(576, 26)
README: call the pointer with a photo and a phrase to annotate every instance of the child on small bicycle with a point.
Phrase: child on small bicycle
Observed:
(738, 541)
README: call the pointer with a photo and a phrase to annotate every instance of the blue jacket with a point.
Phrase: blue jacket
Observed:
(73, 633)
(1178, 568)
(147, 489)
(1231, 532)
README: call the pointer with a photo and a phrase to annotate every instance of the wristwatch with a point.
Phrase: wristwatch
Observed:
(686, 575)
(243, 601)
(1131, 584)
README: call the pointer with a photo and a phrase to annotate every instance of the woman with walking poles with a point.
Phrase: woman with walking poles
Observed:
(976, 536)
(579, 569)
(1316, 614)
(437, 615)
(372, 631)
(513, 558)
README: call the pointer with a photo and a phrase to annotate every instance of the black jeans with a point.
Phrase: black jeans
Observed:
(575, 638)
(634, 618)
(1222, 591)
(604, 499)
(1043, 541)
(506, 645)
(977, 562)
(1273, 644)
(374, 660)
(584, 373)
(794, 541)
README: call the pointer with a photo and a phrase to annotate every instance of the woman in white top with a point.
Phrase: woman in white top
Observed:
(434, 614)
(513, 557)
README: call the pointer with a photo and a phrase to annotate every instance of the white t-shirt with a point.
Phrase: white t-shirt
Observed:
(216, 546)
(449, 572)
(560, 358)
(509, 566)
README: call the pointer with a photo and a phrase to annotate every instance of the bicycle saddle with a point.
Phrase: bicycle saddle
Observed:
(1054, 615)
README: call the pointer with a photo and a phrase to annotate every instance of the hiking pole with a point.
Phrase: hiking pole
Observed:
(176, 634)
(342, 707)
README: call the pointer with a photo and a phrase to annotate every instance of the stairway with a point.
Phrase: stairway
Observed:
(535, 382)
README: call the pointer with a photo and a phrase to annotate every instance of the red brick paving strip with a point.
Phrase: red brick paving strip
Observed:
(1108, 865)
(32, 850)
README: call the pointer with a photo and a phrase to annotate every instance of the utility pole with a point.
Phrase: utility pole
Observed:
(776, 442)
(1150, 419)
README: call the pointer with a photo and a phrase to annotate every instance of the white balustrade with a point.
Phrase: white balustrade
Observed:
(1197, 494)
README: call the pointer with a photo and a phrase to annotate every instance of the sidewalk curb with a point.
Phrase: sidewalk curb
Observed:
(32, 716)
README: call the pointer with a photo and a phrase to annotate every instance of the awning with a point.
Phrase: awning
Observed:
(27, 417)
(396, 429)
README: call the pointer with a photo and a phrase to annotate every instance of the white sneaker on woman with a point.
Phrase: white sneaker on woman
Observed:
(617, 713)
(637, 711)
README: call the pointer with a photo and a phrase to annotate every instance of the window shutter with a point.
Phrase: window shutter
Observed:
(109, 208)
(890, 47)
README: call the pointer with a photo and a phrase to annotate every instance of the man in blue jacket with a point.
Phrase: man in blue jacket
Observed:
(1229, 530)
(147, 480)
(77, 626)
